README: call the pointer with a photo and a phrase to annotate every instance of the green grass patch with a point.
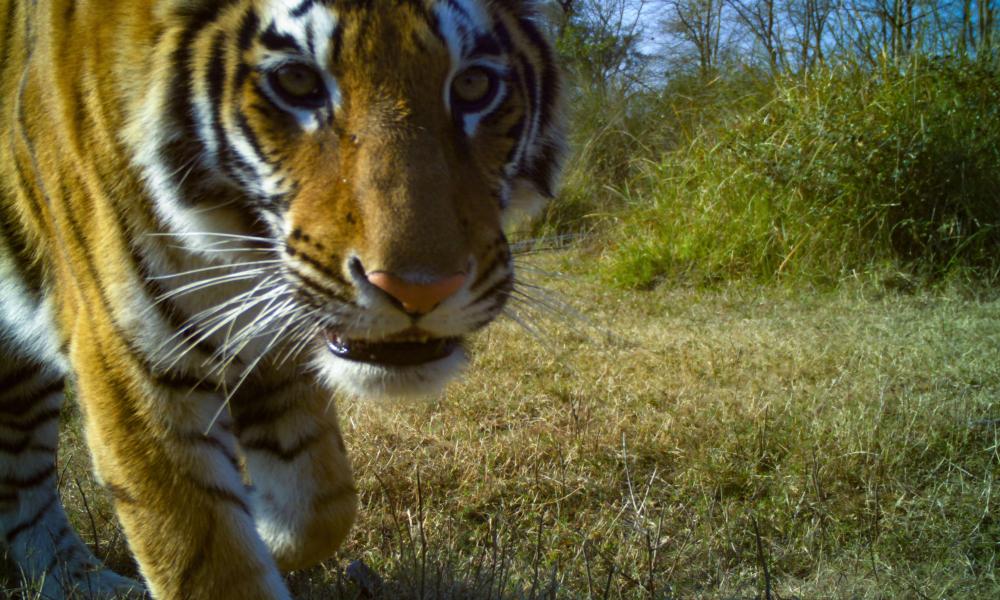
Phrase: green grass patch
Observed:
(840, 172)
(677, 443)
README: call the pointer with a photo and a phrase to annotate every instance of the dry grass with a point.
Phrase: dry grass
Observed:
(734, 443)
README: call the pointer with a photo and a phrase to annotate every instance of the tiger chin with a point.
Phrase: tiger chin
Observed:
(216, 216)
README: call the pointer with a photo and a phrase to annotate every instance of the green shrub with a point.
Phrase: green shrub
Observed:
(615, 132)
(841, 171)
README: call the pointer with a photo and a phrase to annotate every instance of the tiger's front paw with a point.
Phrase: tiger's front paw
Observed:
(97, 584)
(302, 538)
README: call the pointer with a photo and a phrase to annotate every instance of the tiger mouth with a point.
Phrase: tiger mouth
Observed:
(392, 354)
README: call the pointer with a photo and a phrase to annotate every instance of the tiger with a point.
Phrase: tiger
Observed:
(219, 216)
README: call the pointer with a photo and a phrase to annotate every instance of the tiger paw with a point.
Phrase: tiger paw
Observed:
(89, 584)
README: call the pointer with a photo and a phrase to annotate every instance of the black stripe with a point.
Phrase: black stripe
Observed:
(119, 493)
(504, 285)
(24, 525)
(60, 554)
(34, 422)
(486, 44)
(24, 184)
(210, 489)
(165, 379)
(198, 559)
(338, 42)
(460, 10)
(302, 8)
(28, 264)
(240, 75)
(273, 40)
(25, 259)
(231, 162)
(435, 26)
(316, 264)
(530, 80)
(541, 171)
(165, 306)
(70, 11)
(23, 444)
(339, 492)
(311, 285)
(215, 443)
(275, 448)
(15, 447)
(31, 481)
(502, 36)
(310, 41)
(248, 134)
(255, 416)
(484, 322)
(181, 155)
(486, 272)
(221, 493)
(514, 132)
(248, 29)
(264, 390)
(550, 78)
(12, 379)
(8, 36)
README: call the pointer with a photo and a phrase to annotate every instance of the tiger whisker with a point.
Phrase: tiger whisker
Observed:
(239, 250)
(206, 283)
(216, 317)
(308, 329)
(253, 364)
(188, 166)
(530, 329)
(548, 307)
(235, 344)
(215, 268)
(196, 234)
(230, 316)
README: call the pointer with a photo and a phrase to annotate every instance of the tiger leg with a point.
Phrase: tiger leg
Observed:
(32, 519)
(304, 499)
(167, 454)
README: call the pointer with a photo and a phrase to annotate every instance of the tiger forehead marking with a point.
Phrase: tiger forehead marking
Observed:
(215, 214)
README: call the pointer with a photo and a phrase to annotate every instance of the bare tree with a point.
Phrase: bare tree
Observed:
(600, 40)
(978, 27)
(807, 21)
(762, 20)
(697, 23)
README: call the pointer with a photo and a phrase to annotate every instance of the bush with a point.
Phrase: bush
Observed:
(615, 132)
(842, 170)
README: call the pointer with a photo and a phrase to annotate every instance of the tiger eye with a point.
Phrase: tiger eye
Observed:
(472, 85)
(297, 80)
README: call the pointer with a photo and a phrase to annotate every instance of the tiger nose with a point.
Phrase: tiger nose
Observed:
(417, 298)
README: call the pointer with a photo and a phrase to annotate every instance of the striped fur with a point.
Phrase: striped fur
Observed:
(184, 228)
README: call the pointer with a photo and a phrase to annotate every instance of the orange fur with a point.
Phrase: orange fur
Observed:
(389, 180)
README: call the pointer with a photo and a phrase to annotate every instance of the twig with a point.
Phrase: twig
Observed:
(763, 561)
(90, 516)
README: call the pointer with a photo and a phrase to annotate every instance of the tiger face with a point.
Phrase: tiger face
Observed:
(372, 154)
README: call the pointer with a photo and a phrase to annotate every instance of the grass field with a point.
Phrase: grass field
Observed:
(737, 442)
